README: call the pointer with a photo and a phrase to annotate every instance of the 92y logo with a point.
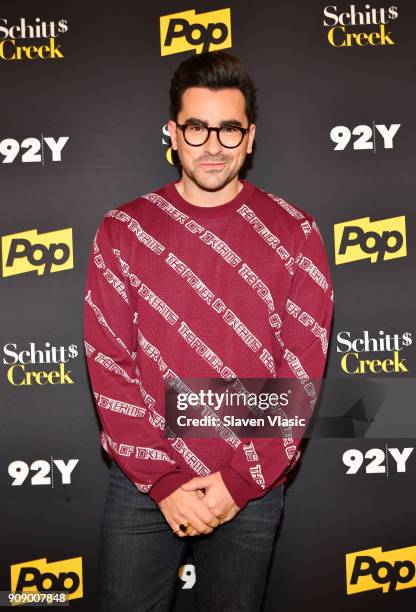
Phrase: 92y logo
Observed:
(32, 150)
(188, 575)
(377, 460)
(366, 136)
(42, 472)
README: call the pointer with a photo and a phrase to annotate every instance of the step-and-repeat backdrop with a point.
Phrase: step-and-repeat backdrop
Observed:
(84, 108)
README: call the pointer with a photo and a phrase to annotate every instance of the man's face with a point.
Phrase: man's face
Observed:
(211, 166)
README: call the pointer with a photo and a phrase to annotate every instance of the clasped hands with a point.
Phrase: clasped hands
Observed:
(202, 502)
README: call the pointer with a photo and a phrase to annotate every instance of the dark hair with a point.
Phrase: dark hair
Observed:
(216, 70)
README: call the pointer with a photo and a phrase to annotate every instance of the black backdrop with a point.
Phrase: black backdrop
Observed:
(107, 95)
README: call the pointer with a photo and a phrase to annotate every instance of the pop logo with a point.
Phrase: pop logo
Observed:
(390, 571)
(188, 31)
(30, 251)
(40, 576)
(374, 240)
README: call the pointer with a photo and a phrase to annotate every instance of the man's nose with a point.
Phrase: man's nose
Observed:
(212, 145)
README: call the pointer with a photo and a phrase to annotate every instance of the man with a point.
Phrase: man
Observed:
(207, 277)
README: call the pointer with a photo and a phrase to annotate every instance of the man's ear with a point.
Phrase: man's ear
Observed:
(172, 134)
(251, 134)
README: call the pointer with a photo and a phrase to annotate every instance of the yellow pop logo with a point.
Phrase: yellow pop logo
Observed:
(188, 31)
(40, 576)
(30, 251)
(374, 240)
(392, 570)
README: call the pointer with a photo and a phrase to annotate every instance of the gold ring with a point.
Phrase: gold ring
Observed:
(186, 528)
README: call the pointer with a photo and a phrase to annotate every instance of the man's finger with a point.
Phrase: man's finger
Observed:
(198, 525)
(190, 531)
(228, 516)
(207, 516)
(195, 483)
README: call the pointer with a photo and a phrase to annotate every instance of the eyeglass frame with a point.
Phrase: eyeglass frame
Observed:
(183, 127)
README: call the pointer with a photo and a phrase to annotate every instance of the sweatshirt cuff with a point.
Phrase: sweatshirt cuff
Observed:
(168, 484)
(238, 487)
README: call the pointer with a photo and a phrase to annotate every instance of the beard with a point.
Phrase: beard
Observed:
(211, 180)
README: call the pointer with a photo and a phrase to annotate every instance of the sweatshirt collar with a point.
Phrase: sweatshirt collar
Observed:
(193, 210)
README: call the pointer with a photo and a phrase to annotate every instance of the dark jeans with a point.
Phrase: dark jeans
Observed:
(139, 555)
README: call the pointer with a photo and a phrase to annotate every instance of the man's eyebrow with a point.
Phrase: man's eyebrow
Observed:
(231, 122)
(223, 123)
(196, 120)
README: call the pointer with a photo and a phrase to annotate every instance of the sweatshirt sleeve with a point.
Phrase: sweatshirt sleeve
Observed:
(131, 432)
(304, 336)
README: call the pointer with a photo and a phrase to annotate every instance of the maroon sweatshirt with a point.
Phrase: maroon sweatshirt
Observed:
(239, 290)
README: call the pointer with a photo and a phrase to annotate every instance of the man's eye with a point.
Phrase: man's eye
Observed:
(229, 129)
(196, 128)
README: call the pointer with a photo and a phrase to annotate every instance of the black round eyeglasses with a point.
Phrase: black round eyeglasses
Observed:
(197, 134)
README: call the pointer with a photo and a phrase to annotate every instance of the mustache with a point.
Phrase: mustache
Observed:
(213, 159)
